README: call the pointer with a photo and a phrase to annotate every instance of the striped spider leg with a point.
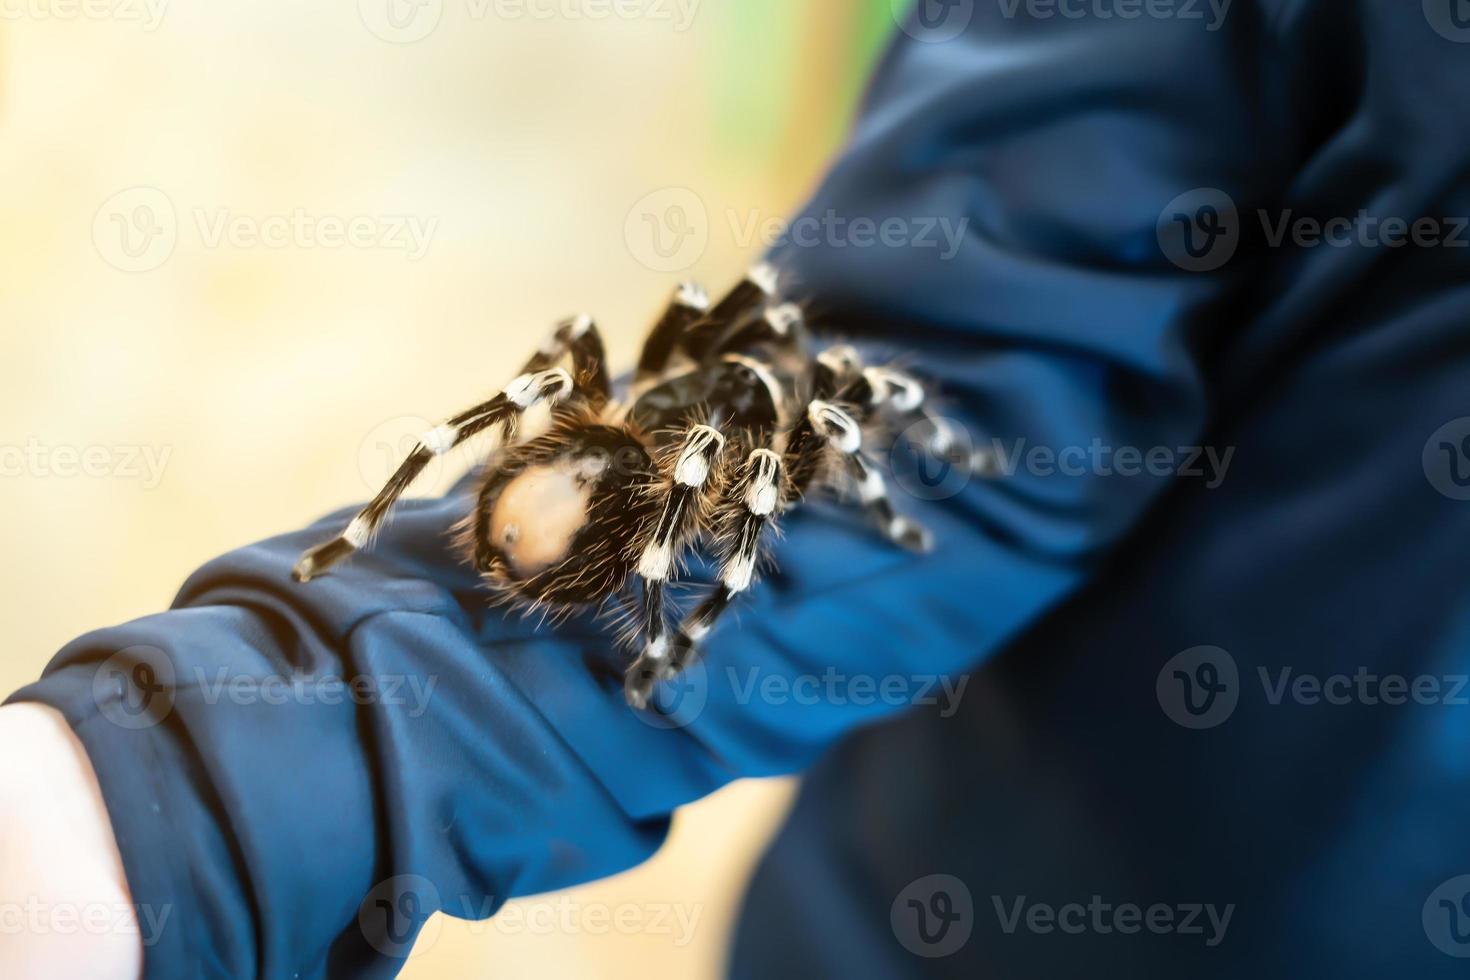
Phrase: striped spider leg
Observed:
(685, 495)
(537, 382)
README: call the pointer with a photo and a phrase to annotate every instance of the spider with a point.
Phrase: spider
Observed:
(730, 421)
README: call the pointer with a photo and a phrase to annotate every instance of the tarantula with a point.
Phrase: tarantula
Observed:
(730, 421)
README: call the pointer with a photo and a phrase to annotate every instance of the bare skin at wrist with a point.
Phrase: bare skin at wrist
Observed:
(65, 909)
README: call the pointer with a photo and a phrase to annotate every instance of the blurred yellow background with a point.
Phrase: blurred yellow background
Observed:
(249, 248)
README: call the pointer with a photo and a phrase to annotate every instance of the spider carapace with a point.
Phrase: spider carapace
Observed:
(731, 419)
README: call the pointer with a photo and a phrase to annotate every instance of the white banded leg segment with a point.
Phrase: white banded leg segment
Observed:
(780, 324)
(758, 496)
(526, 390)
(557, 343)
(357, 533)
(701, 446)
(750, 295)
(505, 409)
(754, 290)
(689, 304)
(692, 468)
(691, 632)
(834, 367)
(739, 572)
(873, 492)
(942, 439)
(583, 341)
(836, 426)
(895, 388)
(761, 494)
(650, 667)
(541, 386)
(765, 278)
(937, 437)
(784, 318)
(691, 472)
(692, 296)
(440, 439)
(360, 530)
(763, 486)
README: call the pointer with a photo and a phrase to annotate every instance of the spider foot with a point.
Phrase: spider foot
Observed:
(682, 652)
(910, 535)
(664, 660)
(639, 681)
(315, 561)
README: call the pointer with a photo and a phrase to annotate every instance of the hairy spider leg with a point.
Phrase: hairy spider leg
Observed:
(678, 521)
(689, 304)
(745, 519)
